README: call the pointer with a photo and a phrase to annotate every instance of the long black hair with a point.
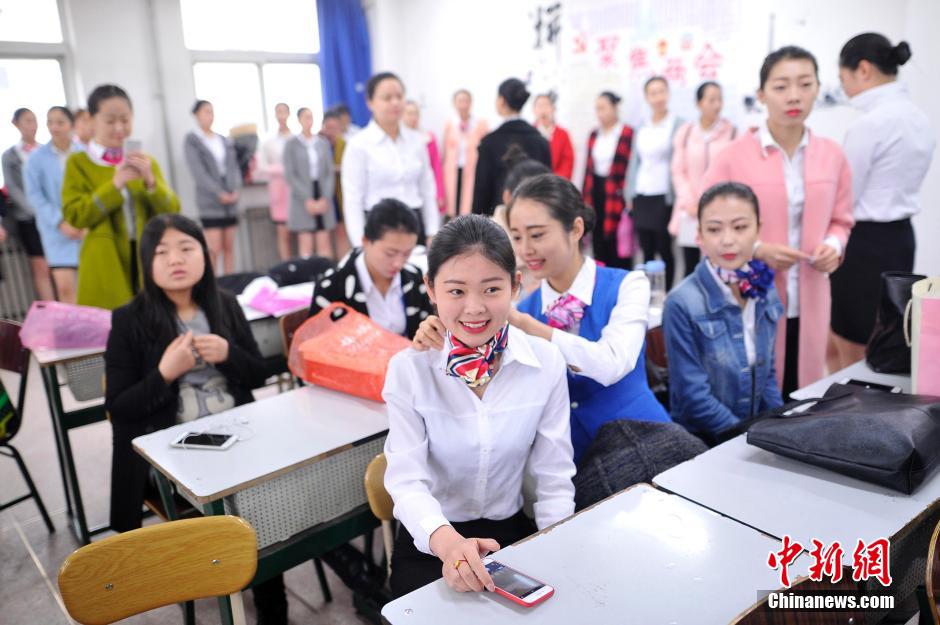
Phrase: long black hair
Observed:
(471, 233)
(560, 197)
(158, 312)
(877, 50)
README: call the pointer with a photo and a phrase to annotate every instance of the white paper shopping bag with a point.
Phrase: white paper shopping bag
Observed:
(923, 312)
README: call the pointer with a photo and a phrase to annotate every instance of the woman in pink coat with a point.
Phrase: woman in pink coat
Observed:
(804, 186)
(462, 135)
(694, 146)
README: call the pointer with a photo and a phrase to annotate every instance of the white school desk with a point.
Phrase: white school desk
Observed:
(84, 362)
(641, 556)
(859, 371)
(296, 476)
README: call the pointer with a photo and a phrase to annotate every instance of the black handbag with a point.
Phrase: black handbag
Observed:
(887, 351)
(889, 439)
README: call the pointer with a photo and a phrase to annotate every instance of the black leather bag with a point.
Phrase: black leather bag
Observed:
(887, 352)
(889, 439)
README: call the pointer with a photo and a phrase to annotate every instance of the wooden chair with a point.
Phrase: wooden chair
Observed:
(657, 365)
(15, 358)
(933, 576)
(148, 568)
(381, 503)
(289, 324)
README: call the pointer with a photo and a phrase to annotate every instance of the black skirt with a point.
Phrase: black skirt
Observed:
(650, 212)
(873, 247)
(412, 569)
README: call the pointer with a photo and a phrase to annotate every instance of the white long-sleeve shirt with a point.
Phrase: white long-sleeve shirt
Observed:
(889, 149)
(376, 167)
(610, 358)
(453, 457)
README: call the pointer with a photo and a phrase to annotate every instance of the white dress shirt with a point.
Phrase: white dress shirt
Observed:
(386, 310)
(312, 157)
(605, 148)
(653, 143)
(453, 457)
(215, 143)
(614, 355)
(796, 197)
(376, 167)
(889, 149)
(749, 315)
(272, 153)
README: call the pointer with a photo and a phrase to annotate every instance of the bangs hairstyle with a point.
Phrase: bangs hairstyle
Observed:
(877, 50)
(786, 53)
(560, 197)
(468, 234)
(390, 215)
(158, 312)
(728, 189)
(106, 92)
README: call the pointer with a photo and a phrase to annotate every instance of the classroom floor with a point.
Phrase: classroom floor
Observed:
(30, 557)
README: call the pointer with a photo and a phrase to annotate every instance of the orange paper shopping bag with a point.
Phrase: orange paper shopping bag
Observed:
(344, 350)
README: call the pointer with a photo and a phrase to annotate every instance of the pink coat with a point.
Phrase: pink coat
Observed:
(451, 145)
(691, 156)
(827, 211)
(436, 168)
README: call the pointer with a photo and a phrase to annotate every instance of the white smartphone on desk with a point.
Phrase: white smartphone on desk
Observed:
(205, 440)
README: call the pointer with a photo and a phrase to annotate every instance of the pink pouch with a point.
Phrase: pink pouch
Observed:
(54, 325)
(625, 236)
(268, 301)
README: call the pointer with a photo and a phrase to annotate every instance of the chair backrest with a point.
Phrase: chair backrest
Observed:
(379, 499)
(933, 575)
(298, 270)
(235, 283)
(289, 324)
(656, 347)
(147, 568)
(14, 358)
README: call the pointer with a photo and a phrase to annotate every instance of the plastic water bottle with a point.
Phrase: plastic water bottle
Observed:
(656, 272)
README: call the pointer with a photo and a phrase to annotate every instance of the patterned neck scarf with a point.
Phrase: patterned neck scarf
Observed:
(753, 278)
(473, 364)
(565, 312)
(113, 156)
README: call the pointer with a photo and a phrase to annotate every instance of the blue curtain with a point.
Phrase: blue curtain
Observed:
(345, 55)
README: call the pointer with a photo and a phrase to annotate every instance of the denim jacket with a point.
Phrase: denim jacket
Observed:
(712, 387)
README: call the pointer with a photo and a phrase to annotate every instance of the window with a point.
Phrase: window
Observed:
(35, 21)
(249, 55)
(32, 83)
(288, 26)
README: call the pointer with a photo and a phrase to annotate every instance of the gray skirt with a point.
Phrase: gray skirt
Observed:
(299, 220)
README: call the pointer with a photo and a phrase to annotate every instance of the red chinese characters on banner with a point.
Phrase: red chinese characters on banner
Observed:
(872, 560)
(708, 61)
(784, 558)
(826, 562)
(639, 60)
(674, 71)
(868, 561)
(607, 51)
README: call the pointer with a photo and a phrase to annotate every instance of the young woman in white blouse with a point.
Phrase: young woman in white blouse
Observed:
(649, 189)
(596, 315)
(387, 160)
(889, 149)
(466, 424)
(212, 163)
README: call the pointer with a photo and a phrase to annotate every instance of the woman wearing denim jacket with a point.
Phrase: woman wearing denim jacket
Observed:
(721, 321)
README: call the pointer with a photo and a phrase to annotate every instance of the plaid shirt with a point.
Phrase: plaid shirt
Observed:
(615, 204)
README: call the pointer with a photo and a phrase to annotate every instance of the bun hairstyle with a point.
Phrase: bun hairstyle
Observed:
(520, 166)
(652, 79)
(560, 197)
(65, 111)
(515, 94)
(18, 113)
(612, 97)
(467, 234)
(728, 189)
(703, 89)
(877, 50)
(106, 92)
(794, 53)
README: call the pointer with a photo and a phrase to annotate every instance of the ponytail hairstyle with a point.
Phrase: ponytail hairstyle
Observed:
(877, 50)
(560, 197)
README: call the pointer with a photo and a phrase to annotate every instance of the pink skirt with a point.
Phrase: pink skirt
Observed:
(279, 194)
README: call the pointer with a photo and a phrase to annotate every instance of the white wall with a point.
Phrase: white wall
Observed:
(439, 45)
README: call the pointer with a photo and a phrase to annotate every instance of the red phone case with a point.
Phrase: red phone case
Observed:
(523, 603)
